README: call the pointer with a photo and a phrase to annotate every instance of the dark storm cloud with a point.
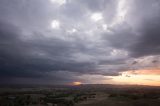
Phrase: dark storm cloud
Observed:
(148, 17)
(33, 49)
(16, 48)
(122, 37)
(12, 51)
(36, 57)
(149, 42)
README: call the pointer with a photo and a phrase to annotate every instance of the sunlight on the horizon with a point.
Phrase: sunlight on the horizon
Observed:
(139, 77)
(77, 83)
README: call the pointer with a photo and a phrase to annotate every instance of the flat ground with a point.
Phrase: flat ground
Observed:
(104, 100)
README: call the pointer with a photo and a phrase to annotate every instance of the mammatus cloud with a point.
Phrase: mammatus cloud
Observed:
(50, 41)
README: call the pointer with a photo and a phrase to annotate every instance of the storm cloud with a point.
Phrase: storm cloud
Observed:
(50, 42)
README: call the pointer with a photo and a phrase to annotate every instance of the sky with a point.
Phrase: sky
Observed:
(80, 41)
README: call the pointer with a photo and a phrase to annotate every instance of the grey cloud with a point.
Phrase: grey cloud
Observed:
(121, 37)
(31, 50)
(33, 58)
(145, 17)
(148, 43)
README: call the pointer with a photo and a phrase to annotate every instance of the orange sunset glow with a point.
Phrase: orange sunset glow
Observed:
(77, 83)
(139, 77)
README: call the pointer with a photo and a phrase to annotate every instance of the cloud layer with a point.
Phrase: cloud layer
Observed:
(49, 42)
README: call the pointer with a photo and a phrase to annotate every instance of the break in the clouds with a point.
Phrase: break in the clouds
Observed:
(61, 41)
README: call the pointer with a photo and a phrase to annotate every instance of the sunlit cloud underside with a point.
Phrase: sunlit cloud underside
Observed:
(139, 77)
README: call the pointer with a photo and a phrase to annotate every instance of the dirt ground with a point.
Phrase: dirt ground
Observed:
(104, 100)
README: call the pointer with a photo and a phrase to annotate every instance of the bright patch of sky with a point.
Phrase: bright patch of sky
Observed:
(58, 2)
(71, 31)
(96, 17)
(55, 24)
(121, 12)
